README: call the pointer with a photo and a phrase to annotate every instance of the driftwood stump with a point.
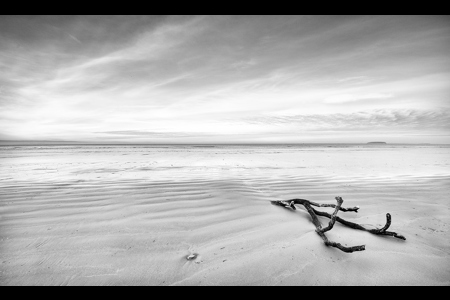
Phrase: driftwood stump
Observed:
(290, 204)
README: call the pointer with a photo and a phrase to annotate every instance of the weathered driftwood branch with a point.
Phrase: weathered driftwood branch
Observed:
(333, 218)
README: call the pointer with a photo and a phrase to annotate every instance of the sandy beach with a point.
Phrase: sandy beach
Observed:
(130, 215)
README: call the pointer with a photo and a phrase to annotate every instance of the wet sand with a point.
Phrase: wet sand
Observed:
(114, 215)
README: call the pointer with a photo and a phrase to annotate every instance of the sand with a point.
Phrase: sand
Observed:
(116, 215)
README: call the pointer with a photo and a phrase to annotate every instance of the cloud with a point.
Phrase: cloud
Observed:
(75, 39)
(412, 120)
(143, 76)
(354, 79)
(140, 133)
(344, 98)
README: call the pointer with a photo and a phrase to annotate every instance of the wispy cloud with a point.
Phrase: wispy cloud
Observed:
(155, 76)
(343, 98)
(354, 79)
(75, 39)
(140, 133)
(363, 120)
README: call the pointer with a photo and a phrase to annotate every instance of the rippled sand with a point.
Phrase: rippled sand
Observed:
(110, 215)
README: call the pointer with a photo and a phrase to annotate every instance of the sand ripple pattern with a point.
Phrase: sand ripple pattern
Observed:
(119, 217)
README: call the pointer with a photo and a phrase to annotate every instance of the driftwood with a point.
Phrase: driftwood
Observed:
(333, 218)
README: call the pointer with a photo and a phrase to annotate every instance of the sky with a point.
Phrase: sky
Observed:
(225, 79)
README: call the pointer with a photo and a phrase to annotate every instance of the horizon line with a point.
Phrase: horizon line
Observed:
(46, 142)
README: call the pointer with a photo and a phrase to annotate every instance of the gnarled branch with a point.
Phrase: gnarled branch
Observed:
(333, 218)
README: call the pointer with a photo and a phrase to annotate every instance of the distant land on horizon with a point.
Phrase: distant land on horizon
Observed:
(377, 143)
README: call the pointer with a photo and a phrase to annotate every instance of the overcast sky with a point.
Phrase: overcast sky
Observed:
(225, 79)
